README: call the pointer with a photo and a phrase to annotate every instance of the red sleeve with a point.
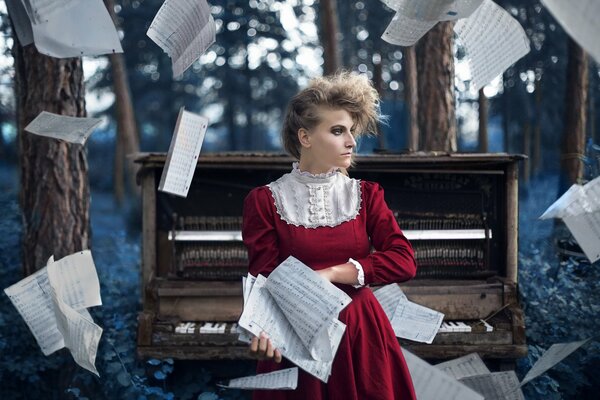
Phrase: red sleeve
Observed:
(393, 259)
(258, 231)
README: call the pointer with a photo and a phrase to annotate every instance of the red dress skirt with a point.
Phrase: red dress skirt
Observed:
(369, 363)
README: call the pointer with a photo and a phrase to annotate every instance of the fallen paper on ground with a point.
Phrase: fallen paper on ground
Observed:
(69, 129)
(184, 29)
(496, 385)
(493, 41)
(555, 354)
(262, 313)
(183, 153)
(285, 379)
(462, 367)
(68, 28)
(579, 208)
(54, 301)
(580, 20)
(430, 383)
(409, 320)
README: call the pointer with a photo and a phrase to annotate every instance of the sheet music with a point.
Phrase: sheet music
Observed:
(183, 154)
(285, 379)
(468, 365)
(496, 386)
(32, 299)
(75, 280)
(403, 31)
(586, 230)
(580, 20)
(69, 129)
(20, 20)
(409, 320)
(309, 302)
(247, 284)
(576, 201)
(41, 9)
(432, 384)
(80, 333)
(389, 296)
(493, 41)
(85, 29)
(261, 313)
(555, 354)
(434, 10)
(184, 29)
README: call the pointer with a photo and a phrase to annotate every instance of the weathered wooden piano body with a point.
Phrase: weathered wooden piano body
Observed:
(460, 212)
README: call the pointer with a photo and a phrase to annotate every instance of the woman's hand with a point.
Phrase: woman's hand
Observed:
(262, 348)
(343, 273)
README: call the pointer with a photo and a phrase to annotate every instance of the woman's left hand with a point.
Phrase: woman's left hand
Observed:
(342, 273)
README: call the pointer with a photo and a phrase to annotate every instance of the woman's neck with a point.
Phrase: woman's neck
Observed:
(314, 168)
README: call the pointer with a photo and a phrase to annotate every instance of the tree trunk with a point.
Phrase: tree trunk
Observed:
(329, 36)
(536, 152)
(527, 151)
(573, 144)
(54, 193)
(483, 122)
(435, 62)
(411, 97)
(127, 140)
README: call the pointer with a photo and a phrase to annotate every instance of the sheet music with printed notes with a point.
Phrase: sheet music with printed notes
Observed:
(262, 313)
(410, 320)
(389, 296)
(555, 354)
(434, 10)
(580, 20)
(496, 385)
(462, 367)
(184, 29)
(183, 153)
(493, 41)
(309, 303)
(53, 302)
(431, 383)
(284, 379)
(62, 127)
(403, 31)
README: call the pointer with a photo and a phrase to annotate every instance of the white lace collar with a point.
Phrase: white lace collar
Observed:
(313, 201)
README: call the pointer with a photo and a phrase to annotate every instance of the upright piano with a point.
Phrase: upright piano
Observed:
(460, 212)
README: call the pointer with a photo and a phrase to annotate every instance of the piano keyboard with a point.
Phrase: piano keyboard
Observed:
(458, 326)
(206, 327)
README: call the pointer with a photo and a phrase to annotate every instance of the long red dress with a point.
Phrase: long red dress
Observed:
(369, 363)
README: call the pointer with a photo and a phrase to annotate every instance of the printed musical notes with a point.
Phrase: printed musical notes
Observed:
(69, 129)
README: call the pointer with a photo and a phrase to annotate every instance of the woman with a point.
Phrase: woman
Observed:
(329, 221)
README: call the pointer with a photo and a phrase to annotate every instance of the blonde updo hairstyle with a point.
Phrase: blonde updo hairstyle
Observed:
(349, 91)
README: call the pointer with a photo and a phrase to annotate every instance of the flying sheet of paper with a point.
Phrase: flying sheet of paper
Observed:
(496, 386)
(432, 384)
(69, 129)
(462, 367)
(39, 10)
(576, 201)
(580, 20)
(434, 10)
(184, 29)
(80, 28)
(586, 230)
(53, 303)
(309, 303)
(555, 354)
(261, 313)
(183, 153)
(20, 20)
(285, 379)
(493, 41)
(403, 31)
(409, 320)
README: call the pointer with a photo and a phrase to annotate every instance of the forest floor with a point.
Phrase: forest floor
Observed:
(561, 300)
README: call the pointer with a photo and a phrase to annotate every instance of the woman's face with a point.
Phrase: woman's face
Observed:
(331, 142)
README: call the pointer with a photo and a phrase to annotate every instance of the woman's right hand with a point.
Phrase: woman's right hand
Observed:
(262, 348)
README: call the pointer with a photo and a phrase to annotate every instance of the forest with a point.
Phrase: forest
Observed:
(58, 198)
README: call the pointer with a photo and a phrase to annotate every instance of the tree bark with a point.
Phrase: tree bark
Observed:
(411, 97)
(127, 139)
(54, 194)
(527, 151)
(483, 122)
(329, 36)
(435, 62)
(536, 151)
(573, 144)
